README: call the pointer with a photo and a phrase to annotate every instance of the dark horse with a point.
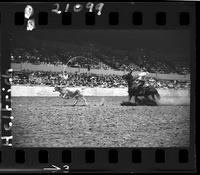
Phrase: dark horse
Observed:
(135, 89)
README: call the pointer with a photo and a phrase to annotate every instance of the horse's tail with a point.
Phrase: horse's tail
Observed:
(157, 95)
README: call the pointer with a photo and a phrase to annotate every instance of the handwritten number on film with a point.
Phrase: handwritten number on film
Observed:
(56, 10)
(6, 137)
(79, 7)
(28, 12)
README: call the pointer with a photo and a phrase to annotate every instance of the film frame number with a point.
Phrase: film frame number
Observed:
(28, 13)
(78, 7)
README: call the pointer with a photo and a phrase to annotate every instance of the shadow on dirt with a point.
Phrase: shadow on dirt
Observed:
(140, 102)
(71, 105)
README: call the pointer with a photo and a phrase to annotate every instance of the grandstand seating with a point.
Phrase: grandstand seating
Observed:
(86, 79)
(99, 58)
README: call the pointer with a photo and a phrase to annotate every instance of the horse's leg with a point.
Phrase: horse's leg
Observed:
(136, 99)
(152, 100)
(130, 96)
(150, 97)
(146, 98)
(153, 97)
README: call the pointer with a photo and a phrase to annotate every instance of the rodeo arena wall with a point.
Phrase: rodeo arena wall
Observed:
(181, 96)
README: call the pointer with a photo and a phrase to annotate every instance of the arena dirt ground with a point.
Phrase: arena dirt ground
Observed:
(53, 122)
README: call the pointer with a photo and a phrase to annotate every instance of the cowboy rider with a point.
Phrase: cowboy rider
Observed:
(140, 78)
(141, 81)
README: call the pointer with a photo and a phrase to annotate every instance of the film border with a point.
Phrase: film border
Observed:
(101, 164)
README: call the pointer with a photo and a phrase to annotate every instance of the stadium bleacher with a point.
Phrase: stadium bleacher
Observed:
(100, 59)
(87, 79)
(96, 57)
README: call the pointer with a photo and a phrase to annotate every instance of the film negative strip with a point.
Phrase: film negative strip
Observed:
(103, 87)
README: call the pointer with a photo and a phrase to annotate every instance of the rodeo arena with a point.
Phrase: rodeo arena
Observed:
(97, 98)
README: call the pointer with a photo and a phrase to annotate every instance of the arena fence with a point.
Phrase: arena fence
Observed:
(168, 96)
(22, 90)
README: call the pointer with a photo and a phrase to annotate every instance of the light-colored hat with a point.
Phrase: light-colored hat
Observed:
(140, 78)
(141, 74)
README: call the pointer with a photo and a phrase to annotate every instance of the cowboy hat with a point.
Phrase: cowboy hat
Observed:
(142, 74)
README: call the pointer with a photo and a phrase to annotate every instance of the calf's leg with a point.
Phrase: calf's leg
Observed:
(76, 101)
(84, 101)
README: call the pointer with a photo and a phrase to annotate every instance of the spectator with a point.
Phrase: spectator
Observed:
(86, 79)
(99, 59)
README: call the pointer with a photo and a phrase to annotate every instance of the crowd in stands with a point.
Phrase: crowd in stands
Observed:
(42, 56)
(133, 67)
(98, 59)
(86, 79)
(181, 68)
(155, 66)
